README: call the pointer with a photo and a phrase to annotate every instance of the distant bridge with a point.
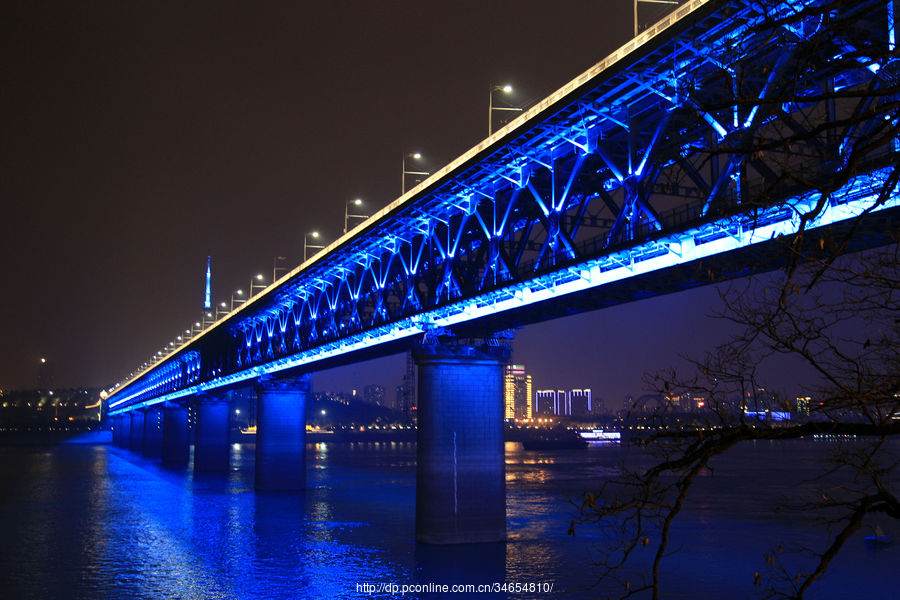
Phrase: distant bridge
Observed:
(685, 157)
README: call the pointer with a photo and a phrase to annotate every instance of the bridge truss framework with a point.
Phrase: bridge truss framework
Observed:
(726, 126)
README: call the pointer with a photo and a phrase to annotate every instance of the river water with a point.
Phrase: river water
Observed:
(94, 521)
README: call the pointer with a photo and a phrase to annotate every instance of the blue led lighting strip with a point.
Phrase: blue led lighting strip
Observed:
(665, 252)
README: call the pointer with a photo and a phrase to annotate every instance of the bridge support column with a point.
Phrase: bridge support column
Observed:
(152, 447)
(281, 433)
(176, 442)
(211, 435)
(460, 470)
(116, 430)
(136, 432)
(124, 425)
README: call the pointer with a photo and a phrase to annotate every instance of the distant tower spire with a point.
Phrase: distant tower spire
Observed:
(207, 304)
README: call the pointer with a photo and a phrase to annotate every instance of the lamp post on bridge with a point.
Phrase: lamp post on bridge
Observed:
(276, 267)
(257, 286)
(636, 2)
(238, 293)
(348, 215)
(157, 358)
(506, 89)
(307, 245)
(404, 173)
(42, 378)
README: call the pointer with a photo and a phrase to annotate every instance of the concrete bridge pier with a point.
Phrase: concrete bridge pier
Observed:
(176, 439)
(212, 433)
(116, 430)
(281, 433)
(136, 431)
(124, 424)
(460, 472)
(153, 432)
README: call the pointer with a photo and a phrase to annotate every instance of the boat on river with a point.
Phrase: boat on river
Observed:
(879, 538)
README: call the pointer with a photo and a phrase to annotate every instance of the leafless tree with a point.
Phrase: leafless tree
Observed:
(834, 309)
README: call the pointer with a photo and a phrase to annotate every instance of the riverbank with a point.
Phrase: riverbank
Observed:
(55, 437)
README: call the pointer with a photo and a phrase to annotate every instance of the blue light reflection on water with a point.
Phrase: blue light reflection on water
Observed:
(98, 522)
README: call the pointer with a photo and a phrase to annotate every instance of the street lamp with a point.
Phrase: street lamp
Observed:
(307, 245)
(43, 378)
(414, 156)
(348, 215)
(675, 2)
(276, 267)
(506, 89)
(256, 286)
(221, 309)
(238, 293)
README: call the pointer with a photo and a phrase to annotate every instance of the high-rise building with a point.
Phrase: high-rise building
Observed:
(399, 398)
(545, 402)
(406, 391)
(409, 381)
(563, 403)
(374, 394)
(580, 402)
(517, 392)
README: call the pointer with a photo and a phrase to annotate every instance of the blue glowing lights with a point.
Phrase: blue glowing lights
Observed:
(638, 165)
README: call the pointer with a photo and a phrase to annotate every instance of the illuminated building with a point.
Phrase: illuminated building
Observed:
(374, 394)
(689, 402)
(545, 402)
(562, 403)
(517, 392)
(580, 402)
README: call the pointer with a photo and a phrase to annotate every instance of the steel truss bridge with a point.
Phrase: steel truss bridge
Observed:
(684, 157)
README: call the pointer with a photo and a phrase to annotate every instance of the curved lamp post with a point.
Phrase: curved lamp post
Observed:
(404, 173)
(307, 245)
(506, 89)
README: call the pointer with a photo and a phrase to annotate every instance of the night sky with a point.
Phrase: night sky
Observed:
(138, 138)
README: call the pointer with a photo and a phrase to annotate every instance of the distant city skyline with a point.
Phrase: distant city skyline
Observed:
(144, 141)
(611, 351)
